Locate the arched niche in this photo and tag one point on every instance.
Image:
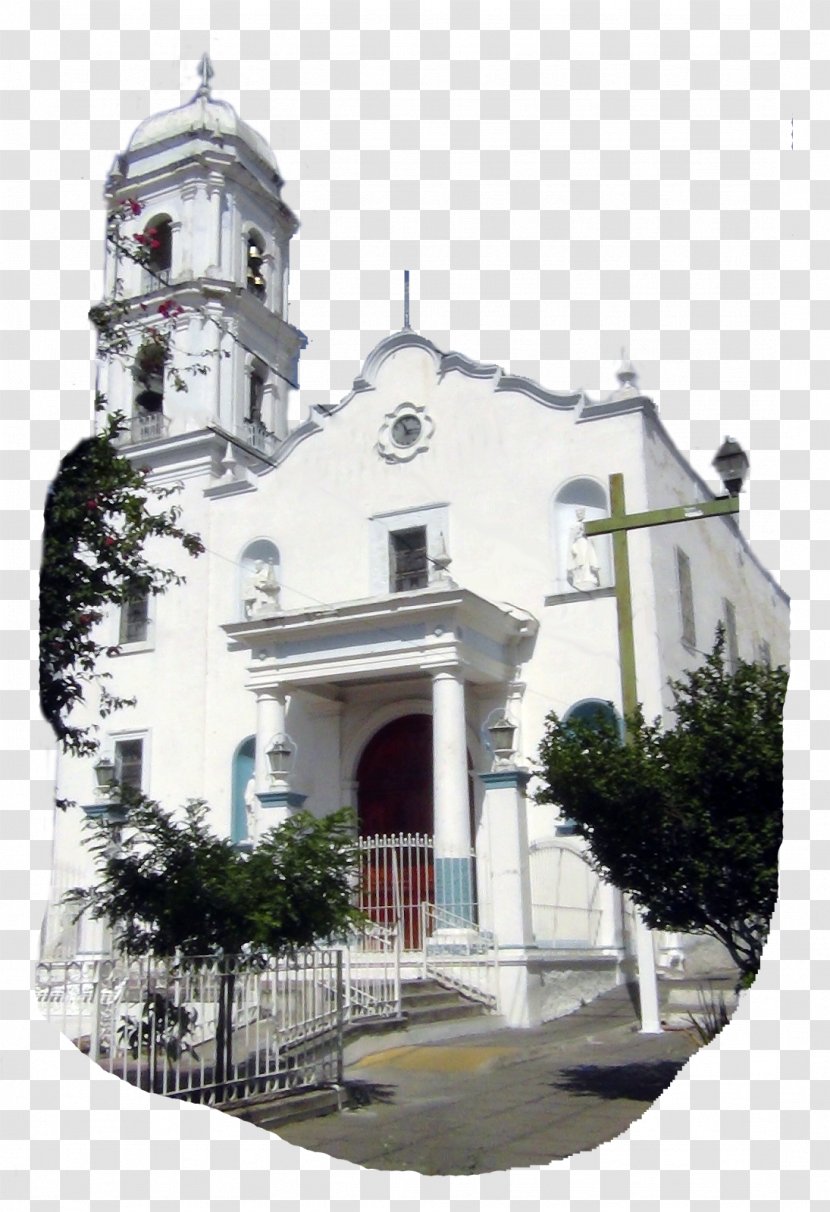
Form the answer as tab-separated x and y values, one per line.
157	240
581	563
258	592
242	771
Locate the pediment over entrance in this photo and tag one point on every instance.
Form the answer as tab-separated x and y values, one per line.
391	636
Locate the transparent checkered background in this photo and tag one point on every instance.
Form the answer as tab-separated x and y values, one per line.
562	179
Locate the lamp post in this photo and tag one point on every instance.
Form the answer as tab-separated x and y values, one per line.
732	465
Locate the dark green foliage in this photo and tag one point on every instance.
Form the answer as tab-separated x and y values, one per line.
170	885
688	821
100	513
162	1025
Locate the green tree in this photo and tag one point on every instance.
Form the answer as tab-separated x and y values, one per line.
100	513
686	820
168	885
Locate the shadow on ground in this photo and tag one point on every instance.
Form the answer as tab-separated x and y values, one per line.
363	1094
641	1081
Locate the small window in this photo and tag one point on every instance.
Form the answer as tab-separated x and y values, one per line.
731	628
135	621
687	604
254	275
256	391
409	568
129	762
764	654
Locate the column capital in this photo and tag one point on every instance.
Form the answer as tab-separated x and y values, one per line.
273	694
515	779
454	672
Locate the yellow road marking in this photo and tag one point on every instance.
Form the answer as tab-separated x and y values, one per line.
435	1059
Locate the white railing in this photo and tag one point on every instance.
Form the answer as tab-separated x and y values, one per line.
457	953
256	435
372	972
143	427
215	1030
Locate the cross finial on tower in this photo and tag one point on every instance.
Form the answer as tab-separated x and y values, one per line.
406	298
205	70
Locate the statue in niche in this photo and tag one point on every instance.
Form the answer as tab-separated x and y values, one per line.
262	592
583	564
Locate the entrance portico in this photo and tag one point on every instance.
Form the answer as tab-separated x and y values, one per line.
446	638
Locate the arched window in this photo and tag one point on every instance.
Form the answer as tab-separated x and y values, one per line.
254	268
582	563
595	713
256	393
259	588
157	238
241	790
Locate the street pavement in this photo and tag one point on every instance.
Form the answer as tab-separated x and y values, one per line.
500	1099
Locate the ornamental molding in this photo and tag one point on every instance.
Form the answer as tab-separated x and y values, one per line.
393	450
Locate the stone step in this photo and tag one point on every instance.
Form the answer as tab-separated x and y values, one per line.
445	1013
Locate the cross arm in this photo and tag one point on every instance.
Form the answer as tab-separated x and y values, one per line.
662	517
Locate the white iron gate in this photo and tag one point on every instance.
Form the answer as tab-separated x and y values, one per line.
565	895
397	876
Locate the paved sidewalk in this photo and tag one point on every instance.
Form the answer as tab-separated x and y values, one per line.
500	1099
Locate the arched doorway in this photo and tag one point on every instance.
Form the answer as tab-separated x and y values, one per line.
394	779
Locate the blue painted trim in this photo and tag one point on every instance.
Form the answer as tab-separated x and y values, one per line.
113	814
281	799
517	779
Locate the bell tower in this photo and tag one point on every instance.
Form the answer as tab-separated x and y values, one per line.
201	192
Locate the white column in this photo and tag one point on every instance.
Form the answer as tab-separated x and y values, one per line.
646	978
451	803
184	258
270	720
450	778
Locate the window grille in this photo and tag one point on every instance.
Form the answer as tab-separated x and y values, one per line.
409	567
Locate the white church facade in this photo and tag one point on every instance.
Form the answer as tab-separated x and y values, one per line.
384	580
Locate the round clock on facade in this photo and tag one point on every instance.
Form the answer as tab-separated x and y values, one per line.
405	432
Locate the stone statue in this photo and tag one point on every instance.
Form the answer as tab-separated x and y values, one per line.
262	592
583	564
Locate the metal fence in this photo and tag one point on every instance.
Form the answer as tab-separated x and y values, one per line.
456	952
215	1030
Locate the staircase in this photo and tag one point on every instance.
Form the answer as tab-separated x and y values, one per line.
428	1001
